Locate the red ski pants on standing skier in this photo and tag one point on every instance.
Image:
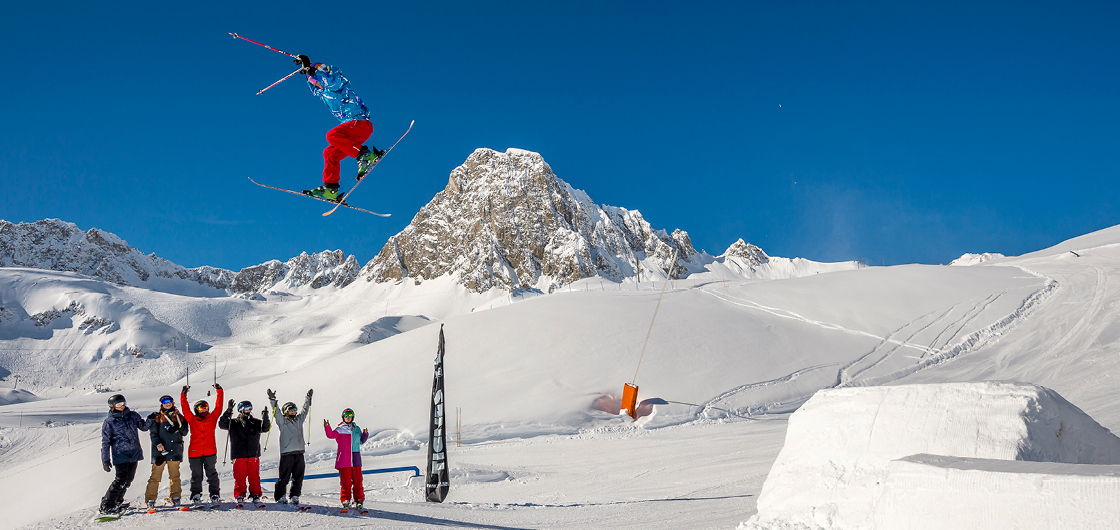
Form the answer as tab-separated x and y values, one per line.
345	141
247	468
351	479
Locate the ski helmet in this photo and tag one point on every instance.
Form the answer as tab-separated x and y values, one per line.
167	399
116	400
244	406
348	412
289	407
200	404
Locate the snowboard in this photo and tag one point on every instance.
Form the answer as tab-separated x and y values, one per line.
336	203
361	178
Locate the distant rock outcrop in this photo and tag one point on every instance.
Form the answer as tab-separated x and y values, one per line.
53	244
514	224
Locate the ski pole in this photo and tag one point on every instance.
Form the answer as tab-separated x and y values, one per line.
308	424
285	78
269	431
225	452
236	36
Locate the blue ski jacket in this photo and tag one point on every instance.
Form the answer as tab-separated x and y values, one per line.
119	438
329	85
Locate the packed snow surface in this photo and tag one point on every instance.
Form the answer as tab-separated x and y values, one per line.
538	376
839	445
935	492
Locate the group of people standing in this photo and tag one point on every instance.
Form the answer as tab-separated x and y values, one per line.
168	427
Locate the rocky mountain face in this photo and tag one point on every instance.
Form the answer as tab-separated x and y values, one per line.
58	245
514	224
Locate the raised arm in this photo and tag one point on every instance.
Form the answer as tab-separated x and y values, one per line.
186	407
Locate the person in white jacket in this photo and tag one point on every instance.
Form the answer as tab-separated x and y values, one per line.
289	420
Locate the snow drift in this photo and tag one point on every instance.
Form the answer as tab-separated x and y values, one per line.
840	444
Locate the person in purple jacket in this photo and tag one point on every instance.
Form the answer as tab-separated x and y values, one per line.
348	460
120	447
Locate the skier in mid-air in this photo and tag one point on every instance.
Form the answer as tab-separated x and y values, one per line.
347	139
245	448
120	447
348	459
202	452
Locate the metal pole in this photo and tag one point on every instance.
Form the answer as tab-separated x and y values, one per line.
671	265
236	36
285	78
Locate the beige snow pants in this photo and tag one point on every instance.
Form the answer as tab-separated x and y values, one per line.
157	475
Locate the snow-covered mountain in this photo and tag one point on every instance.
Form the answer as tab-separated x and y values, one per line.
514	224
53	244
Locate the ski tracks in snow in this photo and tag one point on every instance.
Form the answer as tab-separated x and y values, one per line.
785	394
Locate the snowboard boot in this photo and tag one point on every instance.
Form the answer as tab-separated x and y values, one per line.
295	500
326	191
367	158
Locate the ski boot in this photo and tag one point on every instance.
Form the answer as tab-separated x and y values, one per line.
326	191
152	506
345	507
295	500
196	499
367	158
214	504
358	507
240	501
256	499
283	500
175	501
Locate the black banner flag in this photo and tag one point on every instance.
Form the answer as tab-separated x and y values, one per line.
438	481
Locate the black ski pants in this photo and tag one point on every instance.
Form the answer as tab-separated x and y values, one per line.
198	465
115	495
291	467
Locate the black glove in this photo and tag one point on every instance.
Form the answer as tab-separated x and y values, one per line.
160	460
153	415
107	466
216	385
186	388
304	61
231	404
271	395
309	392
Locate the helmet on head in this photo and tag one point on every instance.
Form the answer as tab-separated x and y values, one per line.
201	406
288	407
244	406
115	400
348	413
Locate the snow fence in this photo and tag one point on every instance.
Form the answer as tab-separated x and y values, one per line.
840	445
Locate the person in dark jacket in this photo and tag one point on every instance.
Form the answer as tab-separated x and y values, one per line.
167	435
245	447
120	447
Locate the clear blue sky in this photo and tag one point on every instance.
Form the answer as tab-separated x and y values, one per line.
884	131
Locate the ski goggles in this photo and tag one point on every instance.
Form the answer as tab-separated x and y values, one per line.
167	401
290	408
120	405
246	408
203	406
348	415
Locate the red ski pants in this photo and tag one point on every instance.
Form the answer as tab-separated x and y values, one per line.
345	141
351	479
247	468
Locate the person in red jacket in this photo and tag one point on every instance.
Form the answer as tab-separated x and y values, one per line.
203	449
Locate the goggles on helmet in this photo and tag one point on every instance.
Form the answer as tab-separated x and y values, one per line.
347	414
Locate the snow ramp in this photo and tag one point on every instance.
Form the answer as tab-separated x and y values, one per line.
840	444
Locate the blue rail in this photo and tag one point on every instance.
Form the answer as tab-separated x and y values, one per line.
415	472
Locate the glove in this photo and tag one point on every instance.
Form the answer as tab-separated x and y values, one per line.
304	61
230	404
153	415
216	385
160	460
309	392
108	467
365	431
326	423
186	388
271	395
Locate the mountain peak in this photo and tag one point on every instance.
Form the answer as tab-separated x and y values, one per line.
515	224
